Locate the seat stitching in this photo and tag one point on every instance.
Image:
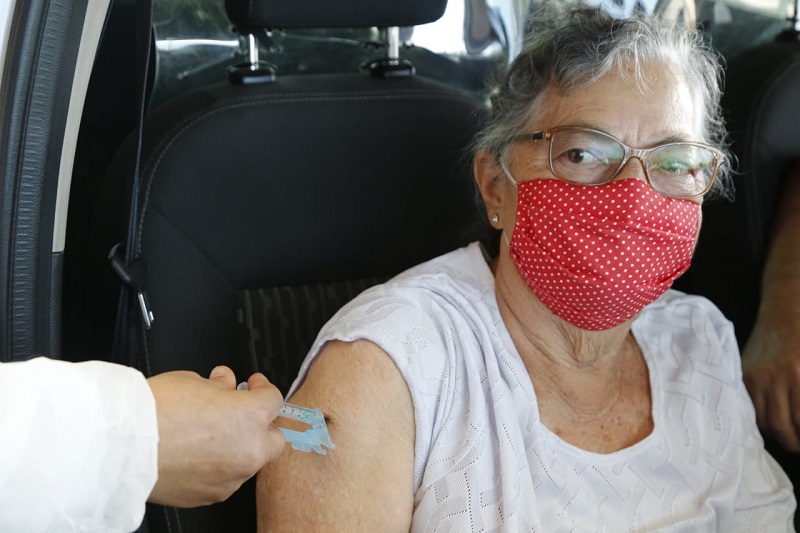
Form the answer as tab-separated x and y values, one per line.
191	121
178	230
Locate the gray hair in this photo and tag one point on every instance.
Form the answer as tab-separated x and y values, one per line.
570	47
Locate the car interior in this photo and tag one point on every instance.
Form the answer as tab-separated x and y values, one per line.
223	217
761	106
267	201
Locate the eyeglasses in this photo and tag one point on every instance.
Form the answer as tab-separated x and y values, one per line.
586	156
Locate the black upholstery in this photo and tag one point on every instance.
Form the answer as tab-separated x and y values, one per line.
762	105
762	111
249	15
278	325
308	181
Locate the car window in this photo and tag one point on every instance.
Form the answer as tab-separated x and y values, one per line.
196	42
732	25
736	25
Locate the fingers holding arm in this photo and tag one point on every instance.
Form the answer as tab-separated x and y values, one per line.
212	438
223	376
266	404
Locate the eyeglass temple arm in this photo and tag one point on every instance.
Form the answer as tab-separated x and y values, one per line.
535	136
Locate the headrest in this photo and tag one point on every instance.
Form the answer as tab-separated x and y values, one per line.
249	15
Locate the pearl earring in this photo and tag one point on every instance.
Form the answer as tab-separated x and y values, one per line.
495	219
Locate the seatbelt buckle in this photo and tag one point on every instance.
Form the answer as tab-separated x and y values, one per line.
147	314
131	275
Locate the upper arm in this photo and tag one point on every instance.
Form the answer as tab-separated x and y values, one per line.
366	483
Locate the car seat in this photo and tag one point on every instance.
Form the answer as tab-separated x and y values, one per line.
762	108
265	204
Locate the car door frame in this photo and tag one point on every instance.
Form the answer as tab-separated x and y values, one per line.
46	51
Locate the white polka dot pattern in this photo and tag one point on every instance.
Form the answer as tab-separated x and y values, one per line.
596	256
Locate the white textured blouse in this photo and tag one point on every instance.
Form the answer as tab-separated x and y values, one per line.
485	462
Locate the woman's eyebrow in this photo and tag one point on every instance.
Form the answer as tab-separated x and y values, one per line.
674	139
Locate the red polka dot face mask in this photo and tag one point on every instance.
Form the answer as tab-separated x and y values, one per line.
596	256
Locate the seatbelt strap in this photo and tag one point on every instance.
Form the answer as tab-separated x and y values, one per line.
133	312
133	276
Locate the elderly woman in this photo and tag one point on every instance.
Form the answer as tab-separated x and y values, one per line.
559	386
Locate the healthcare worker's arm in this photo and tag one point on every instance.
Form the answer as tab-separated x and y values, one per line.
213	437
79	446
81	449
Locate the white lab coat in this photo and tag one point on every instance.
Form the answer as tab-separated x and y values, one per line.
78	446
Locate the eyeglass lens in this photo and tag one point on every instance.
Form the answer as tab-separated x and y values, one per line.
592	158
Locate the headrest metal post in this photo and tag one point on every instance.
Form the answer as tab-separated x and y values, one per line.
253	51
791	34
254	70
796	16
393	42
391	66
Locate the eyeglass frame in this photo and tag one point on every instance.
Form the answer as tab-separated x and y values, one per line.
629	153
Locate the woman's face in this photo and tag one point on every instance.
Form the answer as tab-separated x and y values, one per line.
663	111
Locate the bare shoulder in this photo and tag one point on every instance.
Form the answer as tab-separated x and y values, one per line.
366	483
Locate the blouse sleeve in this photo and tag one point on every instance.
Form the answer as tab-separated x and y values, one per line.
80	444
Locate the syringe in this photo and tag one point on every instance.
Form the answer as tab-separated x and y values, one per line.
308	416
310	439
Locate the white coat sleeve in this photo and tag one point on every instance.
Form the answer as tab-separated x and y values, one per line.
78	446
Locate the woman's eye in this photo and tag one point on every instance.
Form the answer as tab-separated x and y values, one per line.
675	167
577	155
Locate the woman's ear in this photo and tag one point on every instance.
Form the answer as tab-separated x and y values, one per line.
490	178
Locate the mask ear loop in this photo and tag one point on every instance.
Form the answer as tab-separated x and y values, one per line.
507	172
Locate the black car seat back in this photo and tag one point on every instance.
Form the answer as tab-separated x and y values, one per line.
762	106
307	187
